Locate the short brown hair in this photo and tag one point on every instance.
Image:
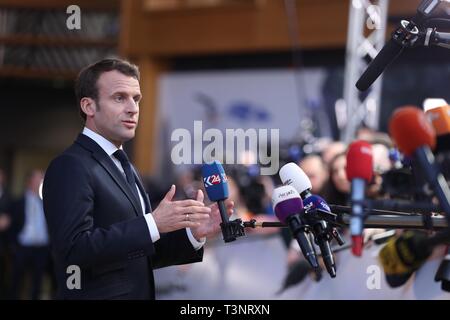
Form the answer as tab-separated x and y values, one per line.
86	82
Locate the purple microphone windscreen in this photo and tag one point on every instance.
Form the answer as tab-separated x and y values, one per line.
286	202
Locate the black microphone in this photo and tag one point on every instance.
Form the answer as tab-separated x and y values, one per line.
288	207
389	53
405	36
443	273
297	273
322	232
293	175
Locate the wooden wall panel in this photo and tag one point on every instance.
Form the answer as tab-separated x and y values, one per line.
252	28
61	4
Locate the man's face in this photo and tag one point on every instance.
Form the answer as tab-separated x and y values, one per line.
117	109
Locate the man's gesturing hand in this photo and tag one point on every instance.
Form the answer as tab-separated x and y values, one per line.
211	227
174	215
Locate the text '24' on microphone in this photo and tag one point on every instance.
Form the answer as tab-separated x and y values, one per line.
288	207
216	186
359	172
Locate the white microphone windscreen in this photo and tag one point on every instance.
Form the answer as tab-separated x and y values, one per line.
291	174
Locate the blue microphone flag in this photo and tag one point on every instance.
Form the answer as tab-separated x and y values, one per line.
215	181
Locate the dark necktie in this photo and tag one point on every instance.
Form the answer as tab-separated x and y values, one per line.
126	165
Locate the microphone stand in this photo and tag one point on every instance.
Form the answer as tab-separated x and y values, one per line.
412	33
382	219
375	219
407	35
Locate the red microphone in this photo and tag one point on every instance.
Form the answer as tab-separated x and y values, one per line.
359	172
416	137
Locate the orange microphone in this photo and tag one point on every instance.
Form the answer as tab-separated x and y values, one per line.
440	120
411	130
416	137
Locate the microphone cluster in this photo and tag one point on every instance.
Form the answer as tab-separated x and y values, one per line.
314	226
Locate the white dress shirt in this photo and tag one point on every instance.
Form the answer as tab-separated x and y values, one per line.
110	148
34	231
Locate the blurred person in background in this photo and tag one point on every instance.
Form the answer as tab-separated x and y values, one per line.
186	183
337	190
332	150
381	164
317	172
30	238
5	222
365	133
240	209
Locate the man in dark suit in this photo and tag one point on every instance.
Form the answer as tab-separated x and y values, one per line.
30	250
104	235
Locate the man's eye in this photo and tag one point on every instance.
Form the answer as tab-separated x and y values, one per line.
119	98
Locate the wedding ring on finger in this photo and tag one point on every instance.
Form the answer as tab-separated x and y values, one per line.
187	216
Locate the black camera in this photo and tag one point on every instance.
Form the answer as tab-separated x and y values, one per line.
398	183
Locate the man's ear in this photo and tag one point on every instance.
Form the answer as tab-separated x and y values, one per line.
88	106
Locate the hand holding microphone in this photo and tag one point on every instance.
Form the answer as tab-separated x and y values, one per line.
216	186
211	226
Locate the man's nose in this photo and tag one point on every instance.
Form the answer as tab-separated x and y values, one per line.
132	106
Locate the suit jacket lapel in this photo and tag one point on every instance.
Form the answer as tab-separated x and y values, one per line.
105	161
